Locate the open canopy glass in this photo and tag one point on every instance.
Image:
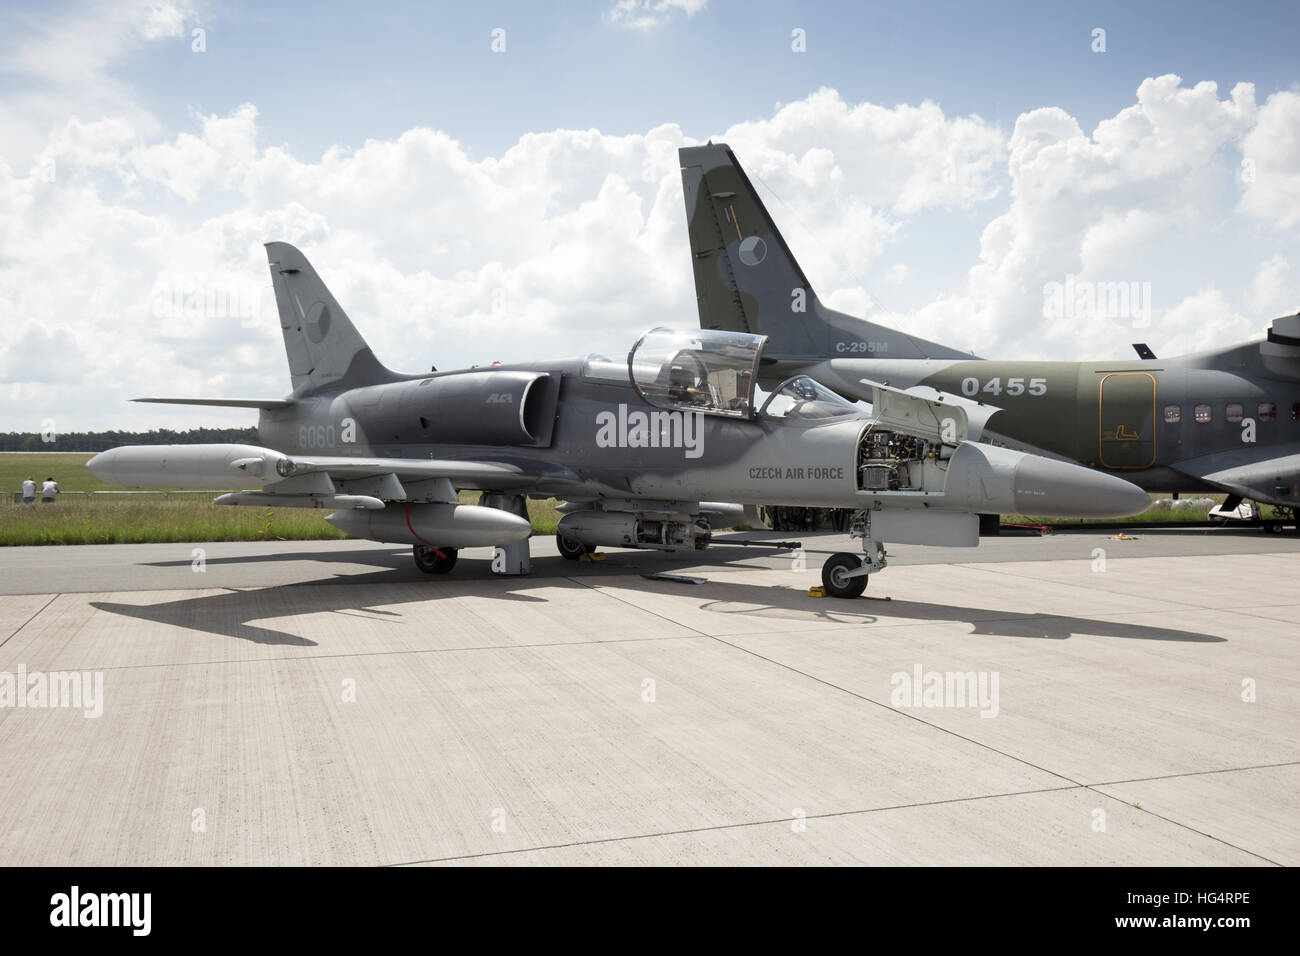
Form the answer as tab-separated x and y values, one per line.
802	399
700	370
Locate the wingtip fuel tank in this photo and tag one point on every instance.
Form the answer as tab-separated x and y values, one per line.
216	466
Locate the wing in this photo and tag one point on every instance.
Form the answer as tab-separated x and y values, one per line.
369	482
264	403
1270	475
322	481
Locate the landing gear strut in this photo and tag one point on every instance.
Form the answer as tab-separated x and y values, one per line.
515	558
434	560
844	575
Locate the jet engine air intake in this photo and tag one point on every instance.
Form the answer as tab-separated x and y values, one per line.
503	407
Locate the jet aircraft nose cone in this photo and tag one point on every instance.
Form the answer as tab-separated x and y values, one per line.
1044	486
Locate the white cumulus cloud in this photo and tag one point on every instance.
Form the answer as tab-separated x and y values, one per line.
131	262
1271	291
1088	206
1271	162
648	14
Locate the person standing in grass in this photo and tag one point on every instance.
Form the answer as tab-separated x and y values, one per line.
49	489
29	491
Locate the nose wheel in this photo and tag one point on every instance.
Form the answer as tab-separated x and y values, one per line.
434	560
844	575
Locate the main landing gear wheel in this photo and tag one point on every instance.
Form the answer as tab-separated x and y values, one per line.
571	548
835	575
434	560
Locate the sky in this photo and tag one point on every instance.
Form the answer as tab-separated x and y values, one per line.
499	181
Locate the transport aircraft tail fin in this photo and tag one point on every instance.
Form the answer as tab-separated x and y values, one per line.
748	280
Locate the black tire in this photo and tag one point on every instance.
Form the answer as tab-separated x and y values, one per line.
570	548
833	579
1273	527
431	561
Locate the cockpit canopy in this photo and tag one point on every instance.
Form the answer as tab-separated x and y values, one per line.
701	370
802	399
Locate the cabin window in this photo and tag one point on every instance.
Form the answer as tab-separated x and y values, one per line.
1203	414
1173	414
1267	412
1235	412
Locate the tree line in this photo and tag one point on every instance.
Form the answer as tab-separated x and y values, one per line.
98	441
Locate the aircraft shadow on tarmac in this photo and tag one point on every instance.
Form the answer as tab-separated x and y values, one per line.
752	599
384	556
227	613
230	612
400	560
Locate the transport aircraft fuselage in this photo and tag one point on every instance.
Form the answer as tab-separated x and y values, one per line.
1225	420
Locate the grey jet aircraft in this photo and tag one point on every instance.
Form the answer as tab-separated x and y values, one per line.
1225	420
636	447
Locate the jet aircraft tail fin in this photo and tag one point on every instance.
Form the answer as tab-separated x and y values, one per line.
324	349
748	280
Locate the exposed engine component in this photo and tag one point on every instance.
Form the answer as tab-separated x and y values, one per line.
896	461
887	459
626	529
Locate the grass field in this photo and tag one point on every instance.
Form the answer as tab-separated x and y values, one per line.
135	519
189	516
156	519
68	469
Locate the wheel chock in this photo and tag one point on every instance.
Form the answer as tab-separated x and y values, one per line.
817	591
591	556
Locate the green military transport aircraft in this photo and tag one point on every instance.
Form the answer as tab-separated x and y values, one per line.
1225	420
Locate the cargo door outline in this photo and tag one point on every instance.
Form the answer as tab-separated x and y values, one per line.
1126	417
